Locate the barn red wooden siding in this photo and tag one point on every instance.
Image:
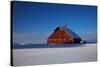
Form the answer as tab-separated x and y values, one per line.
60	36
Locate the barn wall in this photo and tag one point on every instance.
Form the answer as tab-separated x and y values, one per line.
59	37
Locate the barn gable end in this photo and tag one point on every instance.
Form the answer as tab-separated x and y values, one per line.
62	35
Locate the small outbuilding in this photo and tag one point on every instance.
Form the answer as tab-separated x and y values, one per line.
63	35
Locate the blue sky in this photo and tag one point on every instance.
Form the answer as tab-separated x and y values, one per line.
34	22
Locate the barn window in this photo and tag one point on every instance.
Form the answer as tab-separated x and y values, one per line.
64	39
59	39
70	38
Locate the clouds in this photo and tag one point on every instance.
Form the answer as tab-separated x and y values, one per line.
89	37
33	38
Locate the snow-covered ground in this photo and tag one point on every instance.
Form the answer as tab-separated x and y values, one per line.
37	56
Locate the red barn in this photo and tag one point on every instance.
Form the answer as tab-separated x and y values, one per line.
63	35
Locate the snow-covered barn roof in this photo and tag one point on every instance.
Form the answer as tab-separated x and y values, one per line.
67	30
